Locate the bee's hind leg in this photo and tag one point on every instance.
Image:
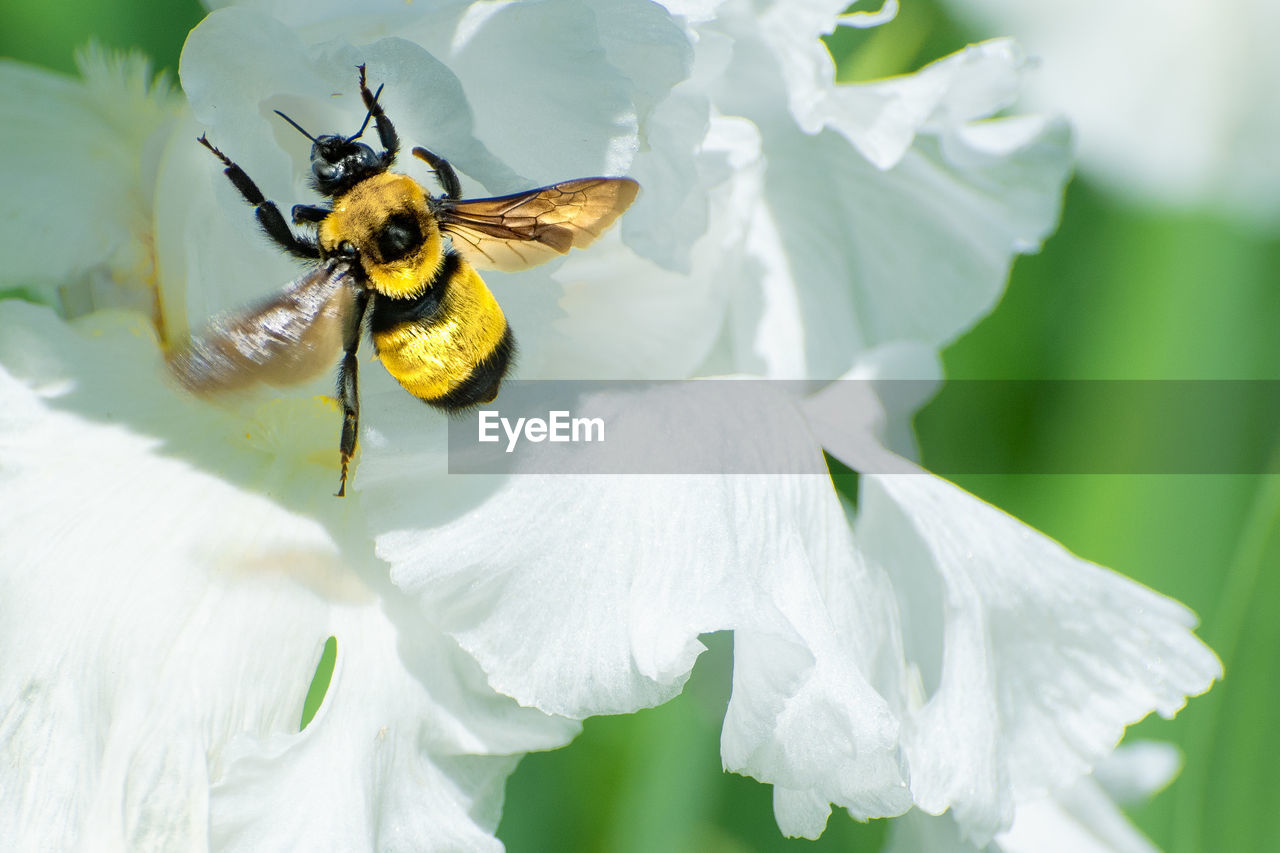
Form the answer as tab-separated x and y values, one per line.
349	397
348	391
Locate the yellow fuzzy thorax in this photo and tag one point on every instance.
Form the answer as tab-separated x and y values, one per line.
359	216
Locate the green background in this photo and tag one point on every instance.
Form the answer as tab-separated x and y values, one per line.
1120	292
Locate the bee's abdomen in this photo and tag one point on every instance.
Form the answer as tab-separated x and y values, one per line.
449	347
481	385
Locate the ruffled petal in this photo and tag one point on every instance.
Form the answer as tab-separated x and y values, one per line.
1023	663
1030	660
911	241
617	553
882	118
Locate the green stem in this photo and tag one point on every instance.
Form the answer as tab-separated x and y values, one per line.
1258	546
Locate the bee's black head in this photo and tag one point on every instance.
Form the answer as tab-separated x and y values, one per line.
338	162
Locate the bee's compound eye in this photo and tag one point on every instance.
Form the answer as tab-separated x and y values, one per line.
345	250
325	171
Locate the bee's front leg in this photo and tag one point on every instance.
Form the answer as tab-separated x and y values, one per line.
269	216
386	130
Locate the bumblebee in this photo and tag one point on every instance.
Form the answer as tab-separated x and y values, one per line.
399	261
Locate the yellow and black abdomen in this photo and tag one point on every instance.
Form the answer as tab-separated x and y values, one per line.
450	346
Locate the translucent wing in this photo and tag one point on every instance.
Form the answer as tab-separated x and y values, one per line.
286	339
515	232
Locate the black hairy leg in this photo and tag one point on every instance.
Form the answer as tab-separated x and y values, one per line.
444	172
386	130
309	213
269	216
348	390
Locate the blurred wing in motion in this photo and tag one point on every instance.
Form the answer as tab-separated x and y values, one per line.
286	339
515	232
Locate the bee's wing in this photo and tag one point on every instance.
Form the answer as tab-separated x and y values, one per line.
515	232
286	339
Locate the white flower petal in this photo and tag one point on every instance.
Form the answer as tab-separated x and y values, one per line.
98	137
790	34
383	759
973	194
1138	769
166	619
1175	107
573	109
572	79
625	316
628	556
863	19
130	648
805	718
926	244
1032	661
973	215
917	831
882	118
617	577
1081	819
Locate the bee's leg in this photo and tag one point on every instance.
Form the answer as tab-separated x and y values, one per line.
309	213
269	216
348	392
349	397
444	172
386	130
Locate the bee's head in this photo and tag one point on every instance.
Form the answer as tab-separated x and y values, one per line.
339	162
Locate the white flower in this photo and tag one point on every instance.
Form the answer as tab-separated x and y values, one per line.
786	227
1176	107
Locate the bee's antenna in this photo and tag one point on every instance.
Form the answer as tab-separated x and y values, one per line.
367	115
297	126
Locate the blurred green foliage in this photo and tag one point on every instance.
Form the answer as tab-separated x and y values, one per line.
48	34
1118	292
